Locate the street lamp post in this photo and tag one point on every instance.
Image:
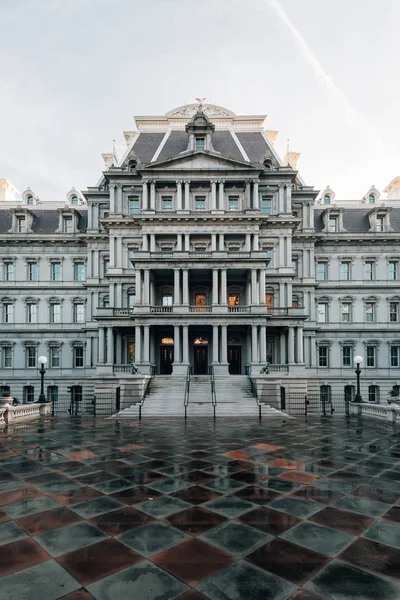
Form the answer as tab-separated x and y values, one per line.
42	360
358	361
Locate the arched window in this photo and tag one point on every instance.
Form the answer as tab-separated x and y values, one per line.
28	393
74	200
132	165
371	199
29	200
373	393
267	165
327	199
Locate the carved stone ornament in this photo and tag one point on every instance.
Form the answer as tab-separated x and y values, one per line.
211	110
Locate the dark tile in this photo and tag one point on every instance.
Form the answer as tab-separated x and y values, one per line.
196	477
79	595
30	507
270	521
48	520
119	521
4	516
279	485
236	538
18	495
144	580
97	506
192	595
220	470
319	538
196	495
45	478
45	581
20	555
98	477
374	493
164	506
98	561
288	560
112	486
341	581
393	514
242	581
342	519
304	595
174	470
373	557
152	538
296	506
312	493
192	561
229	506
257	495
249	477
195	520
135	495
168	485
11	532
364	506
70	538
226	485
343	487
81	494
385	532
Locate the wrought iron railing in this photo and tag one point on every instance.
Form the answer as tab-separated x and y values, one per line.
213	391
146	391
187	389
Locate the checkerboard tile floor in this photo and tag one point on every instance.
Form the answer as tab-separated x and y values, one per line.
165	510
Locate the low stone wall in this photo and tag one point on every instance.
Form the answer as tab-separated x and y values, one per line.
382	412
23	412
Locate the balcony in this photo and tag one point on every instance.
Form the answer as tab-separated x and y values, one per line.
205	255
241	309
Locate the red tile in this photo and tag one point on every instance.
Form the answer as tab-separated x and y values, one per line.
121	520
48	520
4	516
373	556
76	495
192	561
268	447
81	455
129	447
78	595
343	520
21	555
282	463
298	477
25	493
98	560
236	454
305	595
392	515
192	595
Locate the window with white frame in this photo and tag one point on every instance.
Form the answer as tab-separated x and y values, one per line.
52	393
393	312
370	312
347	356
29	200
8	312
332	224
32	312
327	199
166	299
346	310
134	207
394	356
200	202
345	270
79	312
28	394
323	356
371	356
9	271
31	357
269	259
369	268
55	312
373	393
78	357
295	266
380	224
106	265
322	270
54	361
79	271
392	270
68	226
74	201
131	300
56	271
7	357
371	199
200	142
322	312
33	271
21	225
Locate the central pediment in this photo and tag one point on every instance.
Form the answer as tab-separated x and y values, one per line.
202	161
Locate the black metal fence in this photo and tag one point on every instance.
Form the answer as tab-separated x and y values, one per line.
311	404
86	405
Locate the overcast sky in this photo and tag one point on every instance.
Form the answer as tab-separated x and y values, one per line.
73	73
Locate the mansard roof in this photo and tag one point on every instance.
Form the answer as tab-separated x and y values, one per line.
355	220
44	220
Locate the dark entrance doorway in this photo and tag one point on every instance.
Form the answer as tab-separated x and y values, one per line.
283	398
200	360
235	360
166	359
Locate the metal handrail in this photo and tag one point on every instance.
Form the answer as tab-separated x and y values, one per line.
213	391
254	392
187	389
144	395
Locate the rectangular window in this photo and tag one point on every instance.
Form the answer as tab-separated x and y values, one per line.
233	300
55	313
322	312
394	312
54	357
200	203
371	356
392	270
373	393
29	393
233	203
131	300
200	143
166	202
9	272
131	258
106	265
266	205
167	300
394	356
379	224
369	271
78	356
79	313
32	313
33	271
323	356
52	393
79	271
332	225
347	355
7	357
345	271
295	267
56	271
346	312
21	225
269	259
31	357
269	301
134	205
370	312
322	270
8	313
67	225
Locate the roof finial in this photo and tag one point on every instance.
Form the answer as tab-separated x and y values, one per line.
201	101
113	146
287	145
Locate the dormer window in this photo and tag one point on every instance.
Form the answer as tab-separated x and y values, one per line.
29	200
21	224
332	224
371	199
200	142
267	165
327	199
132	165
379	224
68	225
74	200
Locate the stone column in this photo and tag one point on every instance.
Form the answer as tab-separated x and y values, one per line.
282	303
247	195
221	196
215	286
213	195
186	204
213	242
187	242
179	242
138	344
256	246
88	357
224	344
254	349
291	345
280	200
113	191
221	242
262	286
146	287
185	344
112	252
145	196
223	298
138	286
110	346
254	295
215	344
101	345
177	291
185	287
118	294
313	352
263	343
299	339
288	199
152	242
152	195
146	344
247	245
282	348
145	242
281	251
179	195
177	344
111	295
256	198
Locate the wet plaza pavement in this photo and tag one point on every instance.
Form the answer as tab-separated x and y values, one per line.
231	510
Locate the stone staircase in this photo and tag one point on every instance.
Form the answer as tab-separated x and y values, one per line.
165	398
235	399
200	404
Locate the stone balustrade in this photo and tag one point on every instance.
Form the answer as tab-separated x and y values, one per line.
385	412
23	412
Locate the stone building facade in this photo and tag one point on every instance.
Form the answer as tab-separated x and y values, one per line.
200	247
